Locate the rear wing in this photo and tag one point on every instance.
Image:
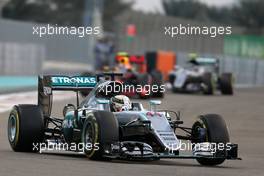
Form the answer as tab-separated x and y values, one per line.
73	83
49	83
206	61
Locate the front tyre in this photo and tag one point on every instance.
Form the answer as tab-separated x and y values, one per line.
100	130
215	132
25	128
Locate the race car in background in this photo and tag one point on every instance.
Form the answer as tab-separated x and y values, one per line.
134	70
201	75
131	134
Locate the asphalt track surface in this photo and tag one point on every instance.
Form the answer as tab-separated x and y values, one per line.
244	115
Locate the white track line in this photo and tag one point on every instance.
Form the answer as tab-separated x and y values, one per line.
7	101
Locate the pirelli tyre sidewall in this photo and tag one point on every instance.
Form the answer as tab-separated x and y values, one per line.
216	132
25	128
90	128
100	129
13	128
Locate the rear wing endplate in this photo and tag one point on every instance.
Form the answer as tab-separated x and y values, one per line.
49	83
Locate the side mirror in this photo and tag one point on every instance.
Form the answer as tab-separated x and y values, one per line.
67	108
153	105
102	101
155	102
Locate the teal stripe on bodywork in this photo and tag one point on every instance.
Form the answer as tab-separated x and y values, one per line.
16	82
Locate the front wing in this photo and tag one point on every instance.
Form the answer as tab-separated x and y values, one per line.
231	154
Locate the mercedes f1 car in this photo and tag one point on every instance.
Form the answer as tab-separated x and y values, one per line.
135	134
202	76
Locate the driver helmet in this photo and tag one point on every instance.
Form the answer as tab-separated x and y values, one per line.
122	59
192	58
120	103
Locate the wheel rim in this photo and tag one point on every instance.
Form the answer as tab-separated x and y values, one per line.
195	132
88	134
12	128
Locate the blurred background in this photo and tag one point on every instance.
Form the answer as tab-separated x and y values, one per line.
133	26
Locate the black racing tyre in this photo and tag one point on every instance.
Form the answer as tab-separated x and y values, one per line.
100	130
209	84
216	132
172	78
176	90
157	81
25	128
226	84
84	93
157	77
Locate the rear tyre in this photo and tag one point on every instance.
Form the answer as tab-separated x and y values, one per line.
226	84
209	85
216	132
100	130
25	128
172	78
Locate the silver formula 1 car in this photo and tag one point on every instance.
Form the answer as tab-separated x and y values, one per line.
201	75
135	134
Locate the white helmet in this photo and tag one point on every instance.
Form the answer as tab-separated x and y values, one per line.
120	103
